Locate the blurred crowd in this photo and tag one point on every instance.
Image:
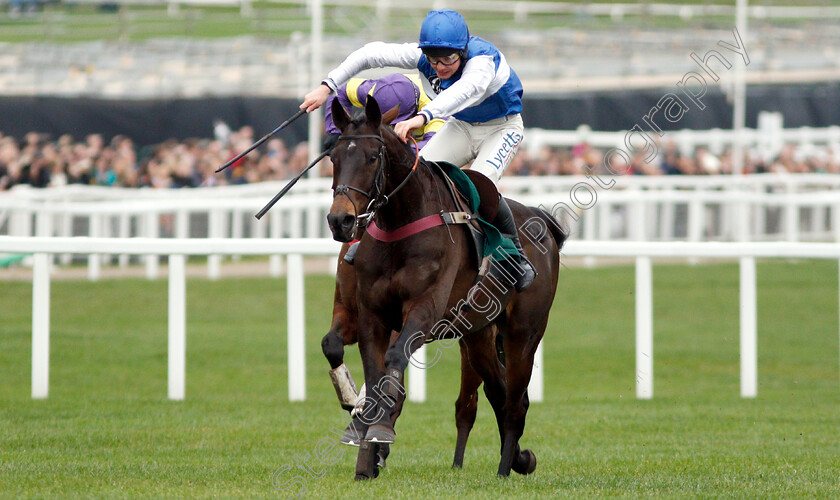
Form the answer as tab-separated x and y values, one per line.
41	161
583	159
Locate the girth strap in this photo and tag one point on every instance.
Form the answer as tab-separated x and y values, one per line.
417	226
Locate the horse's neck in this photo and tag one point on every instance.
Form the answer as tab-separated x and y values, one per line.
416	199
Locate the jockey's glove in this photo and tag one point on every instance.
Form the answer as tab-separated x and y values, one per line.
329	142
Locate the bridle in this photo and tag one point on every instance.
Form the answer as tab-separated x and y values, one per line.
374	194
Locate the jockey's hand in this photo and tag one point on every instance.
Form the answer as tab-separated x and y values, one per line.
404	128
316	98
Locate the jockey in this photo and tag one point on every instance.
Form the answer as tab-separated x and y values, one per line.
472	82
404	91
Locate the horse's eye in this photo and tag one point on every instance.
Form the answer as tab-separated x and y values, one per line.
373	159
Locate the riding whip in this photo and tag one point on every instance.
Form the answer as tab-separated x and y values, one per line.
259	142
289	185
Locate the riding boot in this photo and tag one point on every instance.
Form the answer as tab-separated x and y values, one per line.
350	256
523	272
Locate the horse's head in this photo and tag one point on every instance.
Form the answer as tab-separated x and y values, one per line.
359	163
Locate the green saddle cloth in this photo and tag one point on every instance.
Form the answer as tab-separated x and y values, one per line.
495	244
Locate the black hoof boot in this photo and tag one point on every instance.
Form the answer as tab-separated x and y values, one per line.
354	433
366	463
381	433
525	463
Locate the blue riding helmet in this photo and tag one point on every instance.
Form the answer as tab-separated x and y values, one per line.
444	29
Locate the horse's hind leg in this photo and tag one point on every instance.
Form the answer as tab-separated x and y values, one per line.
519	351
484	361
466	406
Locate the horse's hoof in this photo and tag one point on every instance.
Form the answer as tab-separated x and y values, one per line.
352	436
382	454
525	463
364	476
351	439
380	434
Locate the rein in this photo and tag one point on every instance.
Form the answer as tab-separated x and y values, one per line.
374	194
379	200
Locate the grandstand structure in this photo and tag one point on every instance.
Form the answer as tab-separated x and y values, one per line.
556	47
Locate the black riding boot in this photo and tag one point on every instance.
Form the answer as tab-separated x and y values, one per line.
523	272
350	256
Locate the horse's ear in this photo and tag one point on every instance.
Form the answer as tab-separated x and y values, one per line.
372	113
391	114
339	115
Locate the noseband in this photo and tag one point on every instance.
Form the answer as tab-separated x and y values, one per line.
376	199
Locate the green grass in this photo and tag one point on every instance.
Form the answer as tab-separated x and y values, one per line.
69	22
107	429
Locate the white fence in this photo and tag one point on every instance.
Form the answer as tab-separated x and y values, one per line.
766	207
766	141
295	249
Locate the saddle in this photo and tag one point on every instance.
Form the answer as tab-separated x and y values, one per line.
477	200
477	196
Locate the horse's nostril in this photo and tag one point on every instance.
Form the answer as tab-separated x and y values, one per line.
342	226
331	220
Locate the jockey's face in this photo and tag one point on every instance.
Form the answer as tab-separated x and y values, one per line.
445	66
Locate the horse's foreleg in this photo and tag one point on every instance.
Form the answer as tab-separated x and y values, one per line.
389	394
466	406
389	391
372	345
366	463
332	345
374	339
343	331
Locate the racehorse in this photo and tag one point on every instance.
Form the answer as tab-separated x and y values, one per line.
344	331
423	287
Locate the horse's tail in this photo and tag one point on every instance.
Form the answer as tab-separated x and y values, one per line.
559	233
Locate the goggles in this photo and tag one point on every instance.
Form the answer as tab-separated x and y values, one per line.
445	60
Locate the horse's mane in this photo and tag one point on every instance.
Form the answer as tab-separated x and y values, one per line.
359	119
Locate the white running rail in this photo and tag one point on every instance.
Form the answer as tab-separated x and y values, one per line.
296	248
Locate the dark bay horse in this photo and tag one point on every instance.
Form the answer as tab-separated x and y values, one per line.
344	331
423	287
